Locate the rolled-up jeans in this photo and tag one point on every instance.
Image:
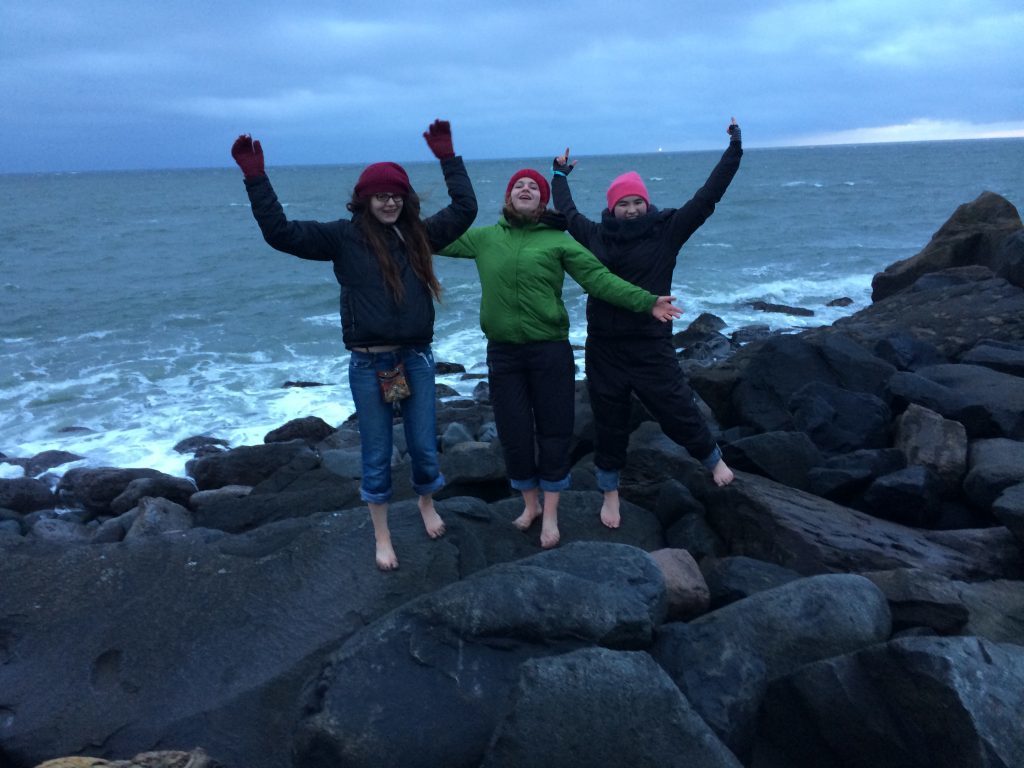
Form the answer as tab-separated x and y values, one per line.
376	419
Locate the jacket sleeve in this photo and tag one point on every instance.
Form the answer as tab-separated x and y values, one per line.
597	280
451	222
686	220
466	247
583	230
313	240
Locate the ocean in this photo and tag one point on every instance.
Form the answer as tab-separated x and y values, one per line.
142	308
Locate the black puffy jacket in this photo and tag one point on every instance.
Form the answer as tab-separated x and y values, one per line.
642	250
370	316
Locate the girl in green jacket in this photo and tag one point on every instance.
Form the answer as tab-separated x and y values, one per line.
522	264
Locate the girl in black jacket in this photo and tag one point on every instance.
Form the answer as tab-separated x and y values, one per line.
382	259
629	352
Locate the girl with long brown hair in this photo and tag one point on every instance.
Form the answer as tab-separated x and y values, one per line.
382	261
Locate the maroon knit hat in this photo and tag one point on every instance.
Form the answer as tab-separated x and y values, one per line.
383	177
545	190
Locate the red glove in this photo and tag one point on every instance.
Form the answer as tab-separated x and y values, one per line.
249	156
439	139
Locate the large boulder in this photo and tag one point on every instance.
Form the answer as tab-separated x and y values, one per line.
988	403
615	708
197	637
838	420
95	488
249	464
994	465
762	519
25	494
919	702
950	317
927	439
723	662
457	654
974	234
1003	356
787	457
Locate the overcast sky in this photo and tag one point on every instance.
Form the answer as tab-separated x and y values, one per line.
98	84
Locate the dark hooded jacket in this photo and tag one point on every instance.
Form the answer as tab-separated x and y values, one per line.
642	251
370	316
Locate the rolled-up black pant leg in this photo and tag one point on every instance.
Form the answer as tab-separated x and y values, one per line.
552	395
662	387
509	383
608	385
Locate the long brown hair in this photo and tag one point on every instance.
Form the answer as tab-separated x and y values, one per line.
414	235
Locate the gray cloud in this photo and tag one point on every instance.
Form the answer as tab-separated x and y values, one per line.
105	85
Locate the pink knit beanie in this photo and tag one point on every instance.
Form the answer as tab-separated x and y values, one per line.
625	185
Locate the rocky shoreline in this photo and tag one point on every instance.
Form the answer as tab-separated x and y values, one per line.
855	598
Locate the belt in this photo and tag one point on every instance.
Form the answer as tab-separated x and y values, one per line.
375	350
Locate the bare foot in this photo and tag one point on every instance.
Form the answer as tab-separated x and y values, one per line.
549	535
387	560
531	509
610	509
431	520
526	519
721	474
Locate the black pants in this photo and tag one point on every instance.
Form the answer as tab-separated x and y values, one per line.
618	367
533	392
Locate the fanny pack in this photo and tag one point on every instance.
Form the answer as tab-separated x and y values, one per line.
393	384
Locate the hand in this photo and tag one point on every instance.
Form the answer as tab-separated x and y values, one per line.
562	165
734	131
664	310
439	139
249	156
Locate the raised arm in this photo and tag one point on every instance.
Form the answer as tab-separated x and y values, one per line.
582	229
686	220
449	223
306	239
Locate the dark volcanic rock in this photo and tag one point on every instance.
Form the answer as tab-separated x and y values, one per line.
248	464
951	318
995	465
1002	356
312	429
457	654
840	421
723	662
95	489
974	234
605	700
768	521
909	496
212	646
986	402
917	702
787	457
25	494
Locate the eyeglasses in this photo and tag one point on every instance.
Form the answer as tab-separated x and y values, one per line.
383	197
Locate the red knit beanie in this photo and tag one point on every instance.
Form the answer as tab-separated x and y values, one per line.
625	185
545	190
383	177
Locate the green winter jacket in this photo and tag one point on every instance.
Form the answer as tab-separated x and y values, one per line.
522	269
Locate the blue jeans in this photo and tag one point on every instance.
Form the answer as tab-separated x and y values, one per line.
376	419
